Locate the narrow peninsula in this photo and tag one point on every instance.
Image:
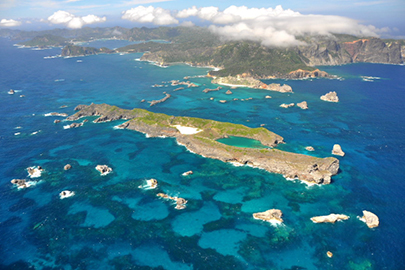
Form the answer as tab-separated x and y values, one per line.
203	141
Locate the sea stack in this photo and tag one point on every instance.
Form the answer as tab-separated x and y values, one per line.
370	219
337	150
330	97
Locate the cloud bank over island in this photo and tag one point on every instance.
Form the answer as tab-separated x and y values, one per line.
270	26
72	21
157	16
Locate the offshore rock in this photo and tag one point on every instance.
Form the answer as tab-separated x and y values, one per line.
303	74
332	218
290	165
180	202
150	184
310	148
284	105
11	92
73	125
370	219
103	169
337	150
229	92
269	215
154	102
34	171
20	183
187	173
67	167
303	105
207	90
66	194
330	97
285	88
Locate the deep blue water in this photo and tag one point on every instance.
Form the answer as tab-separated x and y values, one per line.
112	224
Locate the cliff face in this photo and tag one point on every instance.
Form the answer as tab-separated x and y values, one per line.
327	53
204	142
373	50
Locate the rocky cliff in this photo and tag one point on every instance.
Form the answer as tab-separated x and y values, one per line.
204	141
335	52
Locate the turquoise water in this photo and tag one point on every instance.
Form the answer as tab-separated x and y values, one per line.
241	142
112	224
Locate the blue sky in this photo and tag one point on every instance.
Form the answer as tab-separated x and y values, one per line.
387	16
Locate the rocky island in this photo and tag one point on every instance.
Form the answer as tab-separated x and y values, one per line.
200	136
272	216
370	219
180	202
332	218
330	97
250	82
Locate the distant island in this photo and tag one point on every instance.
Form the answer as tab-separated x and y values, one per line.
200	136
197	46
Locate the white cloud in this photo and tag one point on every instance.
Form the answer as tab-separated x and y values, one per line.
158	16
9	23
187	24
274	27
72	21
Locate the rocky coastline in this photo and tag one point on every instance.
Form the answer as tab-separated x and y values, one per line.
246	80
291	165
154	102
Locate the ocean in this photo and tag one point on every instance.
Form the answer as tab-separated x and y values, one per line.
111	223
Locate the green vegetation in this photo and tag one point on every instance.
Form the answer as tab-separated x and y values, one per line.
46	41
71	50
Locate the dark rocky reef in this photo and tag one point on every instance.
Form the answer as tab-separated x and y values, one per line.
204	141
154	102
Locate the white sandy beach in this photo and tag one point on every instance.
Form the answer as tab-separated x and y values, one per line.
187	130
